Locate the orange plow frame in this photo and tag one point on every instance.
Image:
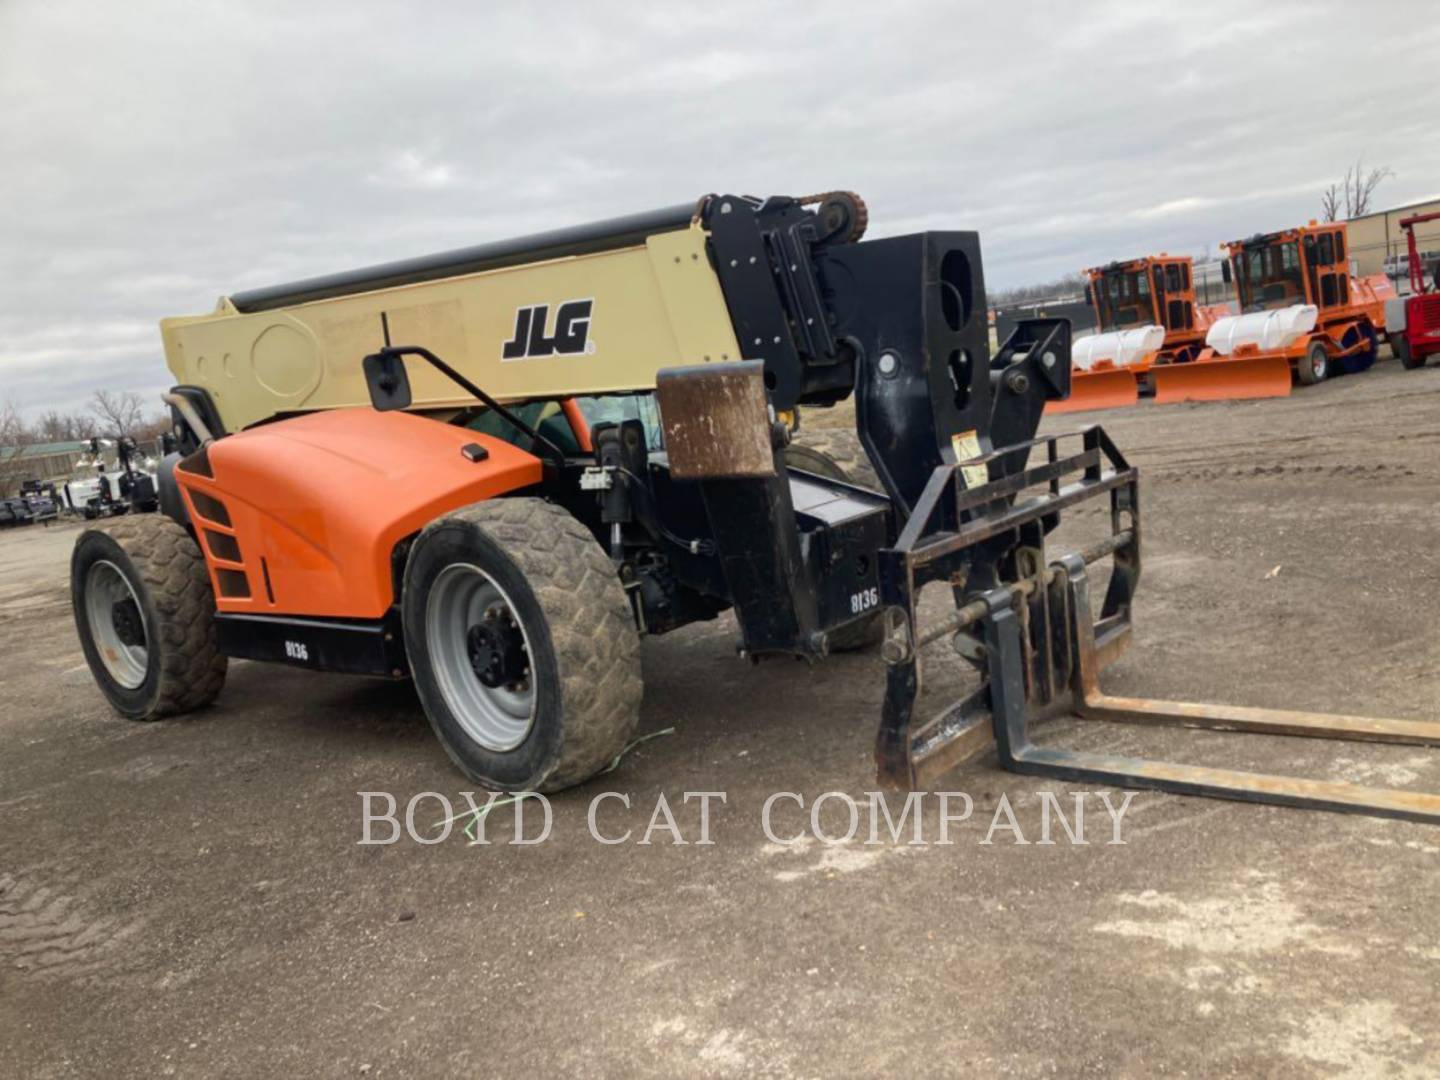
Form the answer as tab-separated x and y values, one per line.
1223	379
1101	387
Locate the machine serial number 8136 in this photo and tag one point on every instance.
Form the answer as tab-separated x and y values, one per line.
864	600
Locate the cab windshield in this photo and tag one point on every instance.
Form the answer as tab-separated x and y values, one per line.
1269	277
548	417
617	408
1122	299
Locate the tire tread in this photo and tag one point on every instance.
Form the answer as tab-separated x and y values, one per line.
843	446
173	572
592	629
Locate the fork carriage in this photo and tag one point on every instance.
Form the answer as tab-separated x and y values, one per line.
1032	634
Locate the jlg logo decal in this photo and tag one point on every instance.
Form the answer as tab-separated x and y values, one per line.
571	336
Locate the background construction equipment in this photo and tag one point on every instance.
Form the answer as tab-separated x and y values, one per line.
1413	322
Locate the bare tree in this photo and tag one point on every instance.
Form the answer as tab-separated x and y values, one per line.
1355	192
55	426
1331	200
51	427
152	426
120	412
1360	186
14	435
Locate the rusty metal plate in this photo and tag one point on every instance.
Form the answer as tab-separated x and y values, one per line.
716	421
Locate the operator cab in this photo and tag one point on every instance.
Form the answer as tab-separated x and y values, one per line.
1144	292
1122	298
1304	266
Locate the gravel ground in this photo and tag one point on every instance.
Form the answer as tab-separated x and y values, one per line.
190	898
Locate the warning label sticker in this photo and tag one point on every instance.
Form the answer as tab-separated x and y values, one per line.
966	445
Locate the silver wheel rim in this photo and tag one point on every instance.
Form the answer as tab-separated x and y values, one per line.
1318	362
107	587
462	597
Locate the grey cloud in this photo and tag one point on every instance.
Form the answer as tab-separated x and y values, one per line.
161	154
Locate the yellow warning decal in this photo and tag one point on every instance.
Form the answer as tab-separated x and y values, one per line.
967	447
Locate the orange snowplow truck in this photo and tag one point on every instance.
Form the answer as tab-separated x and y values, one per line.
1300	311
1146	318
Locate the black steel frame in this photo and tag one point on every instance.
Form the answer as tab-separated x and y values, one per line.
1041	651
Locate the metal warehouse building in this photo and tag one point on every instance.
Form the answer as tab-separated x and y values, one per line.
39	461
1376	236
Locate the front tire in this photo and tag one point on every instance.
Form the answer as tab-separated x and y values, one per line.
145	613
522	645
1314	367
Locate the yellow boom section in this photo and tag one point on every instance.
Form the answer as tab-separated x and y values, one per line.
654	305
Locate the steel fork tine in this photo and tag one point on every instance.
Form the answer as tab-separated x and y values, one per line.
1101	706
1092	703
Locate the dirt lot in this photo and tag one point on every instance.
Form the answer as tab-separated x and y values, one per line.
189	898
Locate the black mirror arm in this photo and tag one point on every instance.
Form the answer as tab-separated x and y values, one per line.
400	351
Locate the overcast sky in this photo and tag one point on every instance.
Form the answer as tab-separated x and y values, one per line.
157	155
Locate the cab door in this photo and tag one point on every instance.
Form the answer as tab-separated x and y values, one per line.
1328	273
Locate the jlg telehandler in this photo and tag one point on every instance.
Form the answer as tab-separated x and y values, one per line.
1300	310
1146	319
491	471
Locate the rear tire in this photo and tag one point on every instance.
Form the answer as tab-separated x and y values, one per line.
544	688
1408	360
1314	367
145	613
1366	358
840	447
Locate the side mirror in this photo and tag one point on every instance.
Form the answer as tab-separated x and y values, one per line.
387	381
1089	296
1225	271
